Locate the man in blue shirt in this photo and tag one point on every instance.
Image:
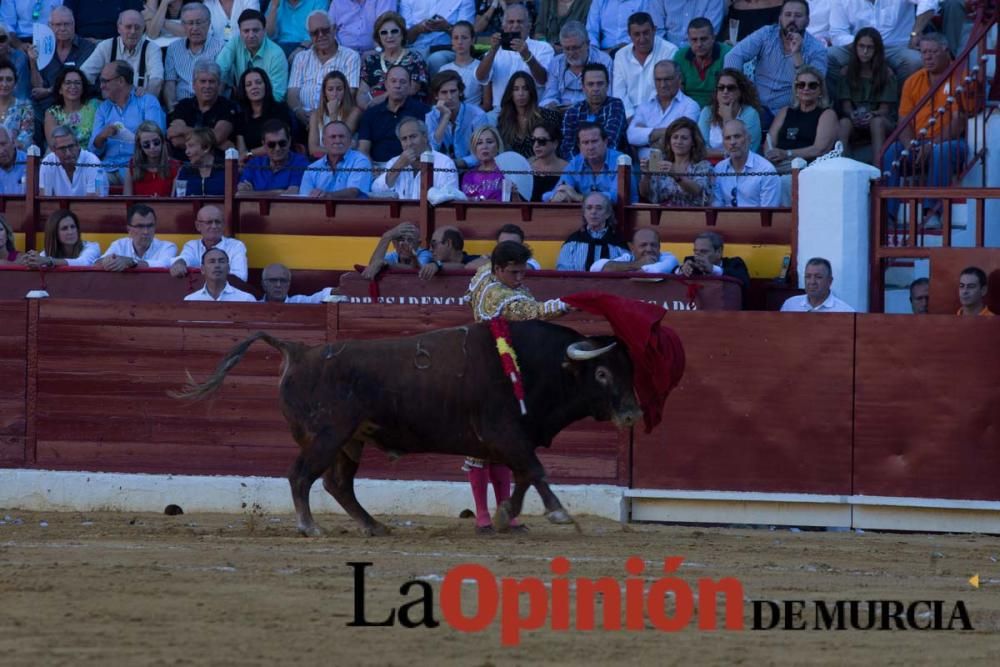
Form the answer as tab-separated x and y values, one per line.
280	171
11	165
594	169
118	118
377	133
343	173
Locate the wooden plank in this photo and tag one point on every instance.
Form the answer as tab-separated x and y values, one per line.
13	345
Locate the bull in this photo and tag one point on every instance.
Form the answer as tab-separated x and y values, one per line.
442	392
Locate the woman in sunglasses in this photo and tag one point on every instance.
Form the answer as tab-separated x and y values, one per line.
546	165
72	105
807	128
151	172
390	40
735	98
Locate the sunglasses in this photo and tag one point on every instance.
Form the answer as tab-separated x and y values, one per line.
811	85
281	143
540	141
320	31
390	31
152	143
727	88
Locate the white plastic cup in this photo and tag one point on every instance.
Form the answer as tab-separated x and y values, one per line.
180	189
734	31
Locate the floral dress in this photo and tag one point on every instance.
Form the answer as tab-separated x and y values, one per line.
375	66
667	191
81	121
20	123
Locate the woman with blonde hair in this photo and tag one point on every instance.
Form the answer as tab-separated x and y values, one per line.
485	181
682	177
807	128
151	172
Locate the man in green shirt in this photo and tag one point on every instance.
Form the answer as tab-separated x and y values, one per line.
254	49
701	61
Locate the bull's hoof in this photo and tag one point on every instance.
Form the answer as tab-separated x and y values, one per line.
503	517
485	530
519	528
560	516
376	530
310	531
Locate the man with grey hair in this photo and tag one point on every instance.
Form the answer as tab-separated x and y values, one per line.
309	67
134	47
68	170
707	260
71	49
402	173
651	119
522	54
183	53
12	174
276	279
206	109
564	85
744	178
596	239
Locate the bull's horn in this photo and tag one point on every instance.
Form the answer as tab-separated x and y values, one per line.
577	351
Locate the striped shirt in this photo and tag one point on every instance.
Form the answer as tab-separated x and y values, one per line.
180	61
308	72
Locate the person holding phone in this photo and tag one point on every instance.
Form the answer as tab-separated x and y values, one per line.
430	24
523	55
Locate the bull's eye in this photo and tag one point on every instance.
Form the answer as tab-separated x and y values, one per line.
602	375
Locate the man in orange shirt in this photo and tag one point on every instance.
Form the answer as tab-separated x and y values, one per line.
972	285
942	149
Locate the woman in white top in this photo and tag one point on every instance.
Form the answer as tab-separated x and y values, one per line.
63	245
225	13
462	38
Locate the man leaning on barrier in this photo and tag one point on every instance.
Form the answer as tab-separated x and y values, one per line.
210	222
140	249
405	237
644	255
593	169
277	280
707	260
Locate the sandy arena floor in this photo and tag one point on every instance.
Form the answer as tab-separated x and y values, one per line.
110	588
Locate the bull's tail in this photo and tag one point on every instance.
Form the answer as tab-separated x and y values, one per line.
194	391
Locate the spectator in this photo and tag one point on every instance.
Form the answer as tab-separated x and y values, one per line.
182	54
954	17
634	63
707	260
12	167
546	165
337	103
356	19
596	239
920	296
377	133
67	170
72	106
644	255
20	61
462	38
132	46
519	112
71	51
735	98
899	22
254	49
402	178
750	16
594	169
206	109
972	288
819	21
701	62
63	244
807	128
281	170
609	21
429	24
276	280
554	14
210	222
490	15
390	33
523	54
20	16
204	175
780	50
447	248
119	116
939	153
649	124
683	177
678	15
16	115
257	106
511	232
744	178
215	269
452	120
8	251
225	22
345	173
608	112
867	93
140	249
288	23
485	181
163	17
564	82
405	238
152	172
312	66
818	297
98	20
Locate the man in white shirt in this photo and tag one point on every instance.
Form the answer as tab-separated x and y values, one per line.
524	55
310	66
134	47
215	268
401	177
68	170
209	222
651	118
564	85
900	22
277	280
818	297
632	79
140	249
644	255
744	178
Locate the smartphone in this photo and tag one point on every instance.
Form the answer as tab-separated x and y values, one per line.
655	157
506	38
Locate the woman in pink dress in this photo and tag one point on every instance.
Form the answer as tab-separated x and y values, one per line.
485	181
